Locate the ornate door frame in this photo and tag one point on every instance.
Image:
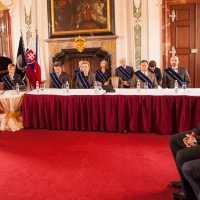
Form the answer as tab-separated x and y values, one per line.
166	26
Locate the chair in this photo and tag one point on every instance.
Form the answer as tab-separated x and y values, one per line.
115	81
4	62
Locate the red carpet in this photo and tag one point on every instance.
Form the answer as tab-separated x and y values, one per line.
62	165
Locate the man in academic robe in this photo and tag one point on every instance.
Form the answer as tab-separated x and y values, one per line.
144	76
125	72
175	72
58	77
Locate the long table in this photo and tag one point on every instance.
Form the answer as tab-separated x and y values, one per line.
126	110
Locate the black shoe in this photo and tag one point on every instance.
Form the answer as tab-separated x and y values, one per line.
176	184
179	196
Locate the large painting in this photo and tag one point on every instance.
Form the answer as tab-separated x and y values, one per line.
80	17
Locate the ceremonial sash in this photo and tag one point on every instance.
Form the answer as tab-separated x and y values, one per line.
174	75
55	80
6	79
77	71
83	80
151	71
157	76
124	72
101	76
144	78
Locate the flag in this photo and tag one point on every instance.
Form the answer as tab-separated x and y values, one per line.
37	67
21	61
33	71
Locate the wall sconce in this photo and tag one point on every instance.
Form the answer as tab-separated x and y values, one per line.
2	27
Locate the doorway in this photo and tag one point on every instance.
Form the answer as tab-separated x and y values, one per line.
181	35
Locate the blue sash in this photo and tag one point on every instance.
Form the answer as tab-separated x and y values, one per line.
144	78
83	80
6	79
151	71
124	72
55	80
101	76
174	75
77	71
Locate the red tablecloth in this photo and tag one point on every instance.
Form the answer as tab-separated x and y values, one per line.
116	113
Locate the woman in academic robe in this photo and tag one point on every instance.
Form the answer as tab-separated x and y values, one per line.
85	78
103	74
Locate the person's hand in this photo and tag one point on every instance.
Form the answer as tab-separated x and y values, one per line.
125	83
194	134
99	83
189	140
106	83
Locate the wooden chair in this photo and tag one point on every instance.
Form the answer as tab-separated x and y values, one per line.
115	81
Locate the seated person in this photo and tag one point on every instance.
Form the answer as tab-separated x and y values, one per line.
185	147
10	80
58	77
144	76
175	72
85	79
125	72
155	70
103	74
75	73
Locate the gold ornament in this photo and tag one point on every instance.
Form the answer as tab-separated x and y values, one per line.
80	43
108	46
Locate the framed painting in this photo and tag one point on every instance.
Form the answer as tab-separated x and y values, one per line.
80	17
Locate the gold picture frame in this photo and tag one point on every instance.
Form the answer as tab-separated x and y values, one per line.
80	17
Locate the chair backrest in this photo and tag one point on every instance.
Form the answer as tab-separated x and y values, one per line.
115	81
4	62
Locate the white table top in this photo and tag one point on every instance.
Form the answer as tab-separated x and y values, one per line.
119	91
55	91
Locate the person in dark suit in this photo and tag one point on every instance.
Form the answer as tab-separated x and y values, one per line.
144	71
103	74
168	80
58	77
185	148
85	79
155	70
12	78
191	172
125	72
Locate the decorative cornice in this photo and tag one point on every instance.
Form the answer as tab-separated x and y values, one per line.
89	38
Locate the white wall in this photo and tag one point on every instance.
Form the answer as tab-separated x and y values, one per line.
154	21
151	22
